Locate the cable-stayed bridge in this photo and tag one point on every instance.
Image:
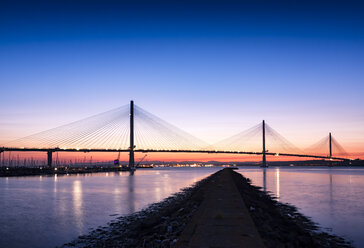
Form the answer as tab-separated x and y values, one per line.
132	129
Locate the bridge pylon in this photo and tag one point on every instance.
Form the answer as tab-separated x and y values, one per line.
330	149
264	161
131	153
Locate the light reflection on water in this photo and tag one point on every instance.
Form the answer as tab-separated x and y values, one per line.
43	211
46	211
332	197
77	204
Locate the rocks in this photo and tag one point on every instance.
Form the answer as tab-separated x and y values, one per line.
281	225
159	225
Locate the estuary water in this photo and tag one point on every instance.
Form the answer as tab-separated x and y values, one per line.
331	197
48	211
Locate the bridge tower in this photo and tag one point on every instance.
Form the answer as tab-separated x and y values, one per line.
131	153
330	149
330	145
264	162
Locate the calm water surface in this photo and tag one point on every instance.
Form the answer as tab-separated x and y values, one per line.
49	211
332	197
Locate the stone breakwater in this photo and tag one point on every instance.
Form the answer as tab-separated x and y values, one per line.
281	225
158	225
165	224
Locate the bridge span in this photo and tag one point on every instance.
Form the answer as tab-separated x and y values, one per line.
52	150
105	129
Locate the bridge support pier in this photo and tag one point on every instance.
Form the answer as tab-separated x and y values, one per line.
131	153
49	158
2	158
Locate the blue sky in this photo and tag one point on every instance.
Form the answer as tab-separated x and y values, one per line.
213	68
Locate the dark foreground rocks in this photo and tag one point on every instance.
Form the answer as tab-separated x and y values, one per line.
159	225
281	225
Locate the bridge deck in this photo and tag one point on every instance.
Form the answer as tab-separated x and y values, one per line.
4	149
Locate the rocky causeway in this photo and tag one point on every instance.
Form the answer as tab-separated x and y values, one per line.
222	210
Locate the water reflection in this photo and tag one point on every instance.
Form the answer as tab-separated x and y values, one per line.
264	179
277	183
55	184
77	204
51	210
331	200
131	197
332	197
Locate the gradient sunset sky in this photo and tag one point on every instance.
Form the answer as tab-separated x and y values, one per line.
212	68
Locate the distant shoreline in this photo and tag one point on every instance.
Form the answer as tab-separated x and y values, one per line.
46	171
61	170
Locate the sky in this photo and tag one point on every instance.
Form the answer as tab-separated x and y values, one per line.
212	68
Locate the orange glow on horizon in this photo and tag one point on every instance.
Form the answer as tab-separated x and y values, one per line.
92	157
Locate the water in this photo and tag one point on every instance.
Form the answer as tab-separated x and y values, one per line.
43	211
332	197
